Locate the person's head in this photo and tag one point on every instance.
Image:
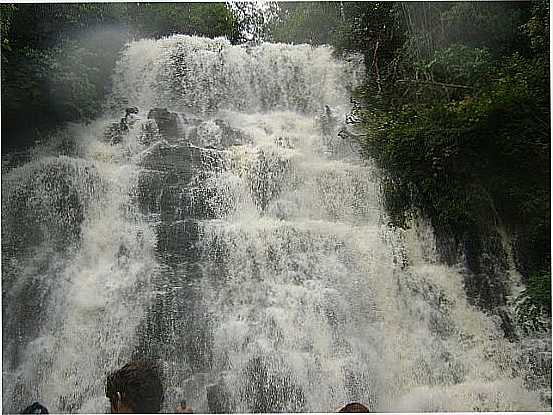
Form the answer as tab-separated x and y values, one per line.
135	388
35	408
354	407
131	110
182	408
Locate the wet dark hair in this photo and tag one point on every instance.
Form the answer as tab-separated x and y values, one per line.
354	407
139	384
35	408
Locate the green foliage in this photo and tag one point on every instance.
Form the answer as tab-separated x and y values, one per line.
440	148
459	64
363	27
253	20
491	25
164	19
306	22
6	13
537	27
368	26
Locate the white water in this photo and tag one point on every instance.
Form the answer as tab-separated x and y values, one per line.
298	297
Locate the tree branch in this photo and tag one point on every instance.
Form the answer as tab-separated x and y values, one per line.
442	84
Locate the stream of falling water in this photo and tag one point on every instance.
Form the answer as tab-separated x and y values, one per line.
246	249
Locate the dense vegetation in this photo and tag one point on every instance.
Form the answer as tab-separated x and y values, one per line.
456	111
57	59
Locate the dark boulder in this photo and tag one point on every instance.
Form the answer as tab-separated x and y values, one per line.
176	241
159	193
167	122
486	260
184	161
266	177
217	134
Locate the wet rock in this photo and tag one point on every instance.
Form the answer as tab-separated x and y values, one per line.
284	142
178	203
266	177
149	132
507	324
328	122
159	193
208	135
184	161
148	189
486	259
219	400
166	121
169	203
195	202
116	130
269	391
178	240
46	200
217	134
533	362
189	119
232	136
177	316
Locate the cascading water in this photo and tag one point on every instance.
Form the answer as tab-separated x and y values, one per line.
241	241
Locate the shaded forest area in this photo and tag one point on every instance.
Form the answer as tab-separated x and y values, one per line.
455	108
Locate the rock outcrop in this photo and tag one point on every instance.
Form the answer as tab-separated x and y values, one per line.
167	122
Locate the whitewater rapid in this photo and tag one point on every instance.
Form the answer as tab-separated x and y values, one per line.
247	250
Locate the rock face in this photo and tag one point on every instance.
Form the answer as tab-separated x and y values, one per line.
47	200
217	134
174	192
184	160
44	204
266	178
149	132
167	189
183	152
167	122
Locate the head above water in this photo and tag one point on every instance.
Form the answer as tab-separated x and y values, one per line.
135	388
131	110
354	407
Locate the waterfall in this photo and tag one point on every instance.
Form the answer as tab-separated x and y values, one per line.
234	235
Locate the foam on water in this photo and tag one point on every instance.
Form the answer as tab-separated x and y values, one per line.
296	296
